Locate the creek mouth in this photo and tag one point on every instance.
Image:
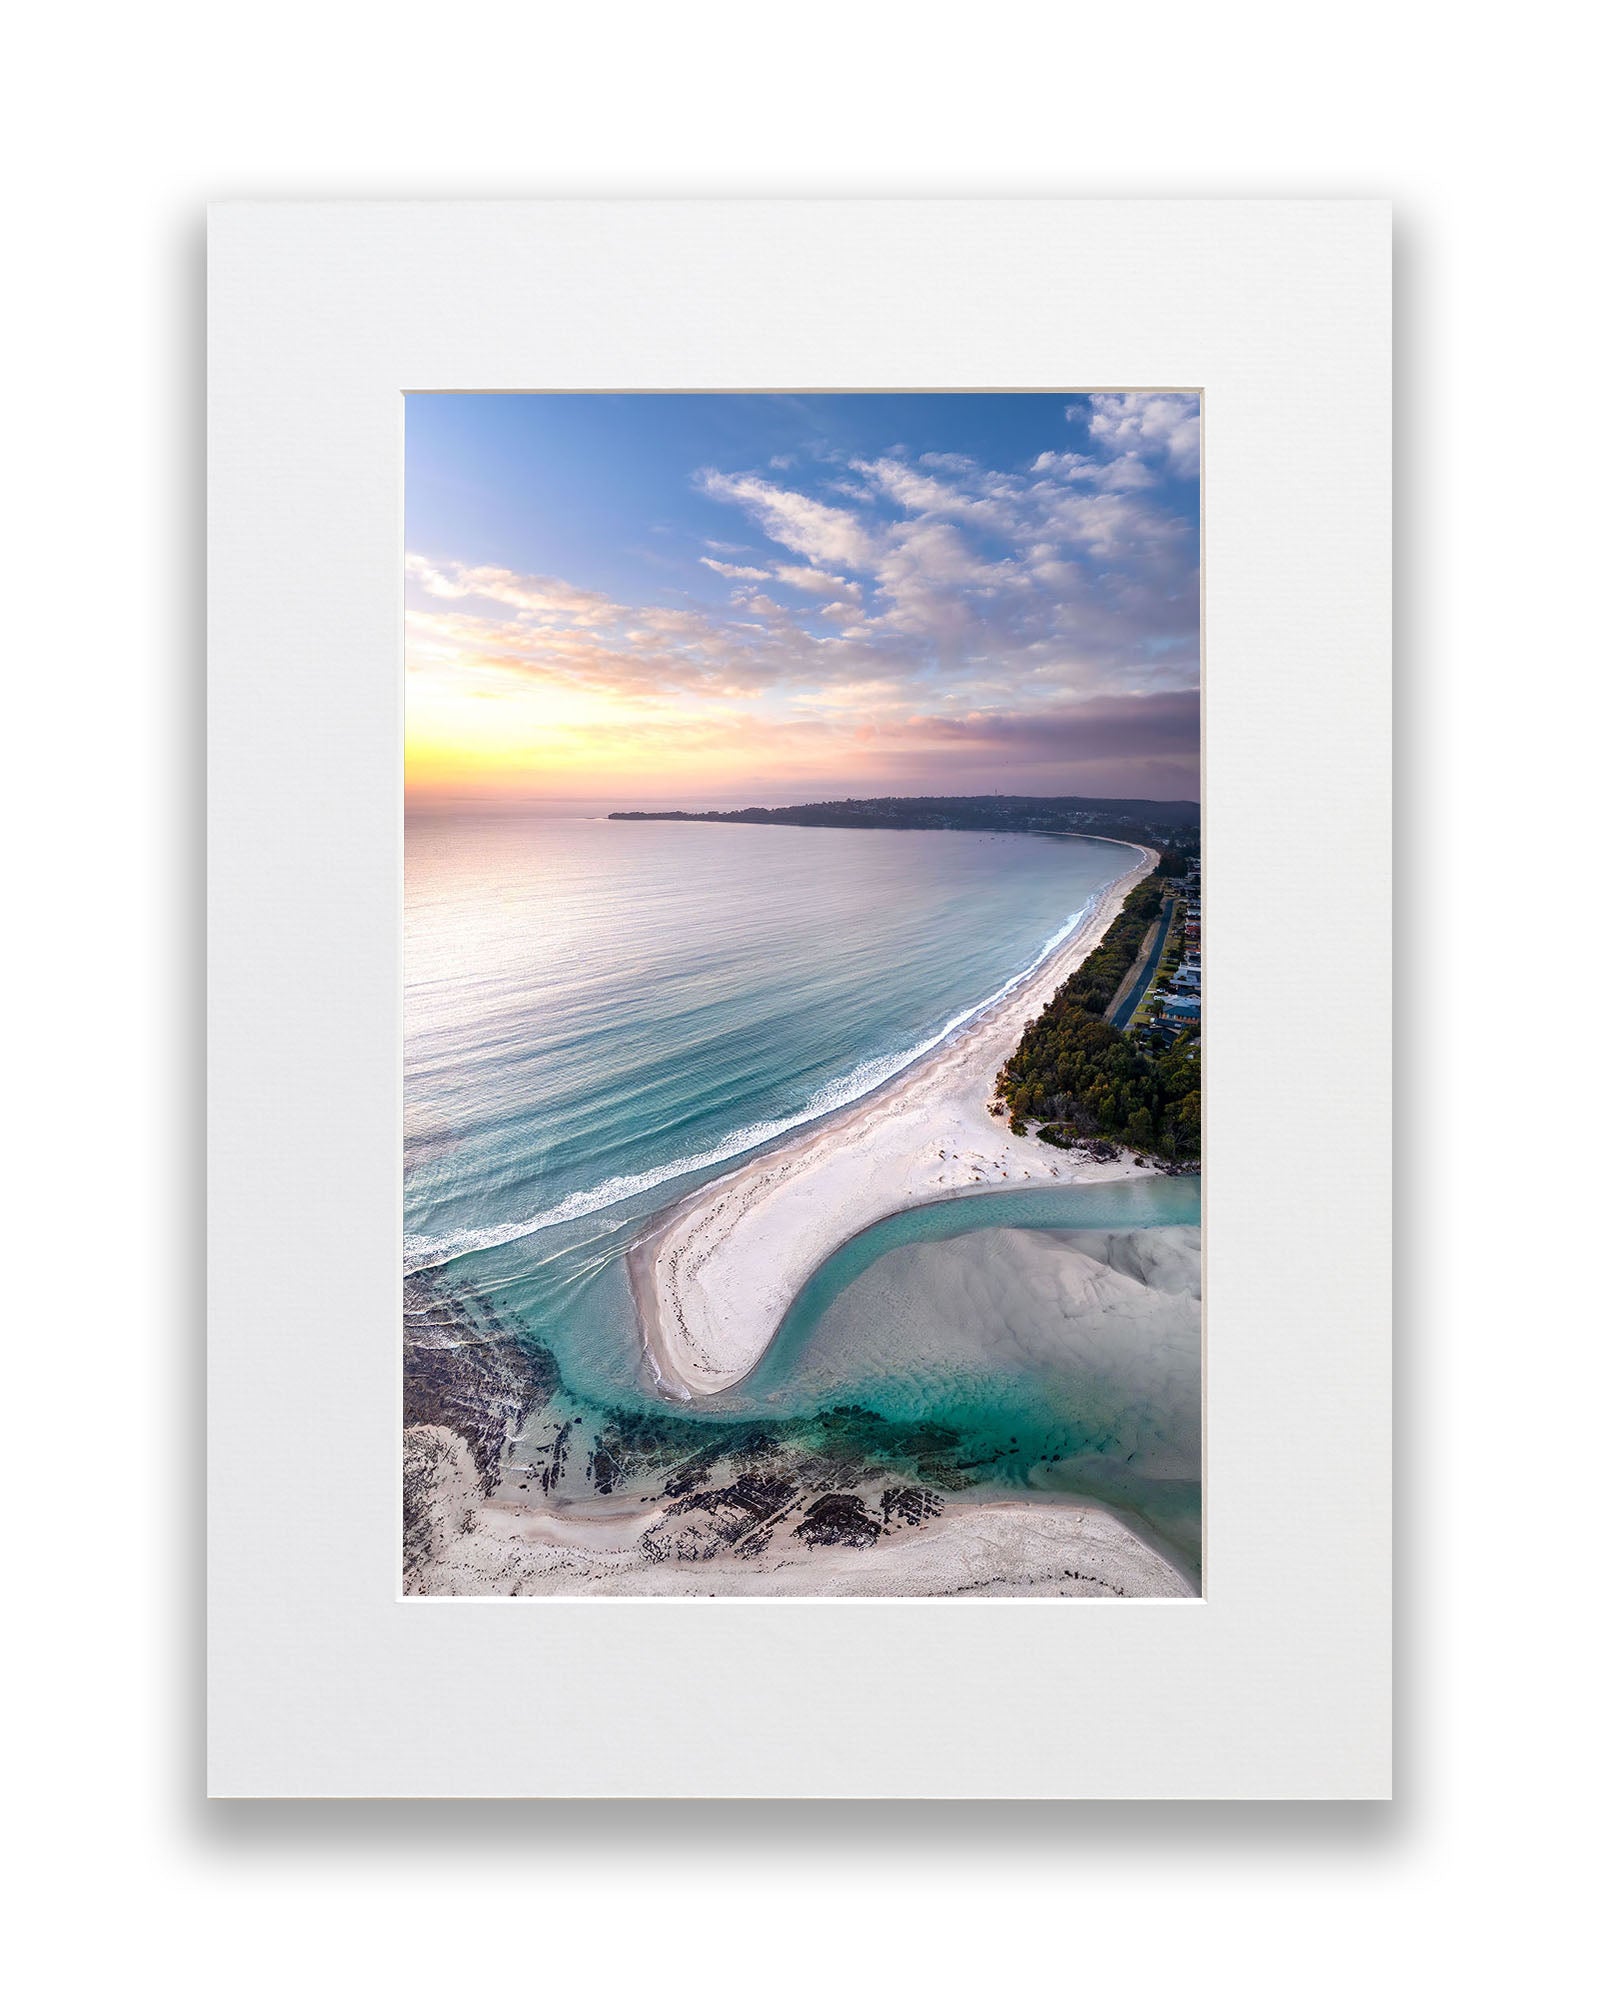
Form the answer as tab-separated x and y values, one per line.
862	1461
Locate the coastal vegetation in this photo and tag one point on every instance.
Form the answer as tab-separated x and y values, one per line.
1084	1080
1173	824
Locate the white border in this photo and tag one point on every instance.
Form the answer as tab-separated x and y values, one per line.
1277	1685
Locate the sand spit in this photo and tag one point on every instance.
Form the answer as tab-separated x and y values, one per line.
715	1274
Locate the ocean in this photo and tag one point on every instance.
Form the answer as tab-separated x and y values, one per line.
601	1015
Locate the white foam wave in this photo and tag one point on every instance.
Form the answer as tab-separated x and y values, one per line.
424	1254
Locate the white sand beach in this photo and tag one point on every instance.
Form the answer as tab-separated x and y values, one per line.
715	1274
999	1548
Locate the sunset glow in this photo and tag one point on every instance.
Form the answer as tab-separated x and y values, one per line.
707	599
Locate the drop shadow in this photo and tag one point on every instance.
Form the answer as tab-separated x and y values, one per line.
461	1832
470	1830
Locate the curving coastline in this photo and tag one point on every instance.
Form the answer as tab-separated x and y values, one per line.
512	1487
714	1274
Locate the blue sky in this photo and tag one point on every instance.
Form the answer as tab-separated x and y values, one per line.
714	597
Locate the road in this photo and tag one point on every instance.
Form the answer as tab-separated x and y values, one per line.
1129	1007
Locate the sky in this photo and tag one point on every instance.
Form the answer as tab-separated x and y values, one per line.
703	601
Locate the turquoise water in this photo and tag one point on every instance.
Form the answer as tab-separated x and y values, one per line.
1135	1204
601	1015
950	1316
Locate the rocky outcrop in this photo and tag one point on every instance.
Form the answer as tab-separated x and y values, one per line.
442	1486
469	1388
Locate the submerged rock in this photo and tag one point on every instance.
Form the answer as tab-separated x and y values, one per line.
469	1374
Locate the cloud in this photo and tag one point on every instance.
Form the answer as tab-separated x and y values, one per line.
539	597
982	624
763	606
813	529
1163	427
1137	746
919	493
1106	727
737	569
816	581
1124	473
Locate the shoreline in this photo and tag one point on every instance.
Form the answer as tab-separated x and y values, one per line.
1038	1546
714	1273
512	1488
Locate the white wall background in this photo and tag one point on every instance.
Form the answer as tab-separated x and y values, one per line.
121	123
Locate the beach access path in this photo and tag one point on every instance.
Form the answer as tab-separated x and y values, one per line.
714	1275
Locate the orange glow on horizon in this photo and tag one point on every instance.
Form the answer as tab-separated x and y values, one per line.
473	729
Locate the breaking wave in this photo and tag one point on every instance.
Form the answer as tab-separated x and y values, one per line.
423	1253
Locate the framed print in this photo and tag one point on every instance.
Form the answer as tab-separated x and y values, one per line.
803	1190
788	780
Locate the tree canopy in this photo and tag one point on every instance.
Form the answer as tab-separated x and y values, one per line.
1077	1073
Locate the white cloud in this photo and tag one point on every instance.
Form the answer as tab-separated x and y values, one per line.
763	606
817	581
917	493
737	569
1121	474
1149	427
538	596
820	533
1069	579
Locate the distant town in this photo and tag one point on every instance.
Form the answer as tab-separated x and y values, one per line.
1168	1004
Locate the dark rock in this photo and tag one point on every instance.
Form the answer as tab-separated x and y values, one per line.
910	1505
838	1520
711	1523
465	1372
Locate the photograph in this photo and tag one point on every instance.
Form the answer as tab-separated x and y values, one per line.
663	655
802	995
